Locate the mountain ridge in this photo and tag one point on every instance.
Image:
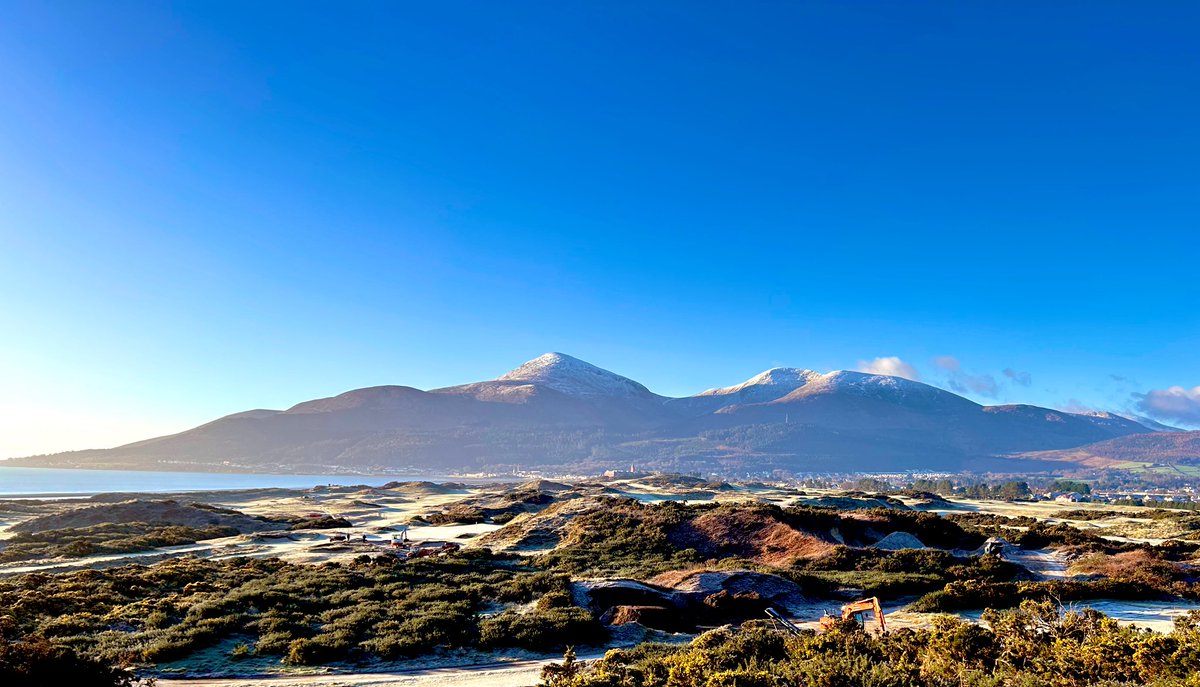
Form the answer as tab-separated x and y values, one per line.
1160	448
560	411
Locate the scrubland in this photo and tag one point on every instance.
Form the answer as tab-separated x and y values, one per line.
649	567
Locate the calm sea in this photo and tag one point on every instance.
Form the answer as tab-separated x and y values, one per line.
53	481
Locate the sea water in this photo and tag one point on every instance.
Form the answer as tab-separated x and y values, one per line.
20	481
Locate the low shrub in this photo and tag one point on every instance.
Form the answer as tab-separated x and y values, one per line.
325	522
38	662
542	629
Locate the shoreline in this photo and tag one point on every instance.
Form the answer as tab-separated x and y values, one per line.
52	483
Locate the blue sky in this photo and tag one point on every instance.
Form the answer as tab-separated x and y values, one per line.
208	206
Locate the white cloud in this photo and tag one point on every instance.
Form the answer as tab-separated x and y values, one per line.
889	365
1173	404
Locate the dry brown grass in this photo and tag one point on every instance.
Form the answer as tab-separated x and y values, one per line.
750	534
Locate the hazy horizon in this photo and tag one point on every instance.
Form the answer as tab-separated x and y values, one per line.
201	216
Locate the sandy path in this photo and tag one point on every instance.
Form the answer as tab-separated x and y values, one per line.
514	674
106	559
304	546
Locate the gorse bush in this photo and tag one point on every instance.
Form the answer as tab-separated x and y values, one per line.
304	614
376	608
542	630
628	539
892	574
979	594
632	539
38	663
1034	645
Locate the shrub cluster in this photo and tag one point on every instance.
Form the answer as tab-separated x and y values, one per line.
893	574
1034	645
979	594
325	522
304	614
38	662
629	539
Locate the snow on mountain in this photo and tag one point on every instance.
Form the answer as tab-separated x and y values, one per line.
1152	424
559	410
256	414
786	385
573	377
1105	418
765	386
866	384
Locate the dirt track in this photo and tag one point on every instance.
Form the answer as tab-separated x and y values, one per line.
515	674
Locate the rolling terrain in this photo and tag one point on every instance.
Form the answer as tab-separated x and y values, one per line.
1167	448
260	586
560	412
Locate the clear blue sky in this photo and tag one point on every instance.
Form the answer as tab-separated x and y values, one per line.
213	206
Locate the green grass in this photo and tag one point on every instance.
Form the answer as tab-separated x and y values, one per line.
1158	468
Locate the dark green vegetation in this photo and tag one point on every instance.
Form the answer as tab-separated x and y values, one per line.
1029	533
498	509
107	538
305	614
1032	646
1069	485
630	539
1133	501
325	522
1010	490
894	574
1155	514
380	608
973	594
39	663
639	541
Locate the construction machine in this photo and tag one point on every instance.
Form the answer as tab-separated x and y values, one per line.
857	611
783	622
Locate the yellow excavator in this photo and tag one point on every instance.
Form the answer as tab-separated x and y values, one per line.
857	610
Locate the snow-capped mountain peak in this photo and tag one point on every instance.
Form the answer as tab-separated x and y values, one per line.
534	415
766	386
573	376
851	379
850	382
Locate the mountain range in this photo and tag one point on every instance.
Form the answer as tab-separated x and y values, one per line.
559	412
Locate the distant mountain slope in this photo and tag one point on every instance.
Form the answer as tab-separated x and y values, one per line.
1154	425
561	411
1172	447
766	386
573	377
